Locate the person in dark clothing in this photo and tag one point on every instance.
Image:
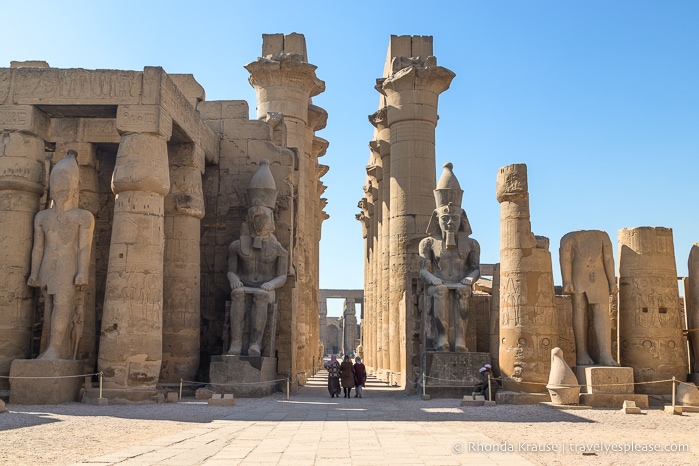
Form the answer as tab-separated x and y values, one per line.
333	368
359	376
347	375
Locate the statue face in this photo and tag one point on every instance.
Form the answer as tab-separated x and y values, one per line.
261	220
449	222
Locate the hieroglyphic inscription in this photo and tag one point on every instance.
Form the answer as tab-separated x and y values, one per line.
53	86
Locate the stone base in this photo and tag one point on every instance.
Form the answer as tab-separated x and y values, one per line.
452	375
673	410
613	400
64	388
222	400
203	394
172	397
243	376
605	379
630	407
521	398
2	407
473	400
125	396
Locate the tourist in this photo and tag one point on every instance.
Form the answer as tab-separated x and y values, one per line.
333	368
359	376
347	375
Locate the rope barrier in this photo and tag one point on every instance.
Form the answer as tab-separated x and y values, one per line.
565	385
191	382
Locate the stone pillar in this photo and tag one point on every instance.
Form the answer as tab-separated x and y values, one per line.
365	218
23	130
284	82
528	325
323	322
494	339
130	352
350	330
650	327
692	292
90	201
184	209
412	90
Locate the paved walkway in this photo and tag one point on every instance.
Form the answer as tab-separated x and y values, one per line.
385	427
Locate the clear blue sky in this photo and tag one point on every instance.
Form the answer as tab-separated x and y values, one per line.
599	98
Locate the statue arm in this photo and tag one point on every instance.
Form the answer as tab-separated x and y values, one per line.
474	264
87	227
232	275
565	253
281	268
608	258
426	263
37	252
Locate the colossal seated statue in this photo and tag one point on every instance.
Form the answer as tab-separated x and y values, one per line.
449	264
257	266
60	261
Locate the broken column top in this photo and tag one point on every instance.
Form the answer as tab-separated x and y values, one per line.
407	46
284	44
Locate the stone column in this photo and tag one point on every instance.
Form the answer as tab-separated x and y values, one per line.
23	130
692	292
528	325
412	90
350	330
366	220
184	209
323	322
650	327
130	352
284	82
90	201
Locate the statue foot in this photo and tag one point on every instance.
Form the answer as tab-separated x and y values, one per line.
608	360
461	349
254	350
584	359
443	347
49	354
234	351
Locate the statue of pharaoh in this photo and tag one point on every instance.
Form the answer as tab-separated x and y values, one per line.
449	264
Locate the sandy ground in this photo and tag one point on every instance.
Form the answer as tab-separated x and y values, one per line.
71	433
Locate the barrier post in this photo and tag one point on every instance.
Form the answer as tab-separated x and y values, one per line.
180	389
100	384
424	392
673	393
287	388
490	391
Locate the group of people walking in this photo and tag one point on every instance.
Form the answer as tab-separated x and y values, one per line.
346	374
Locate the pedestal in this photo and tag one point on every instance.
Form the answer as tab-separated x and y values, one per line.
63	386
605	379
452	375
243	376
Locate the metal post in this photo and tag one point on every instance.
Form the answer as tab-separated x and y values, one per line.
423	385
287	388
180	390
100	384
490	389
673	393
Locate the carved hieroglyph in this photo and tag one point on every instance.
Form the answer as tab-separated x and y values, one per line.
650	329
587	269
528	325
61	259
449	265
257	265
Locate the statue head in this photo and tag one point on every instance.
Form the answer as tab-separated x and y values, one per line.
64	180
263	189
448	217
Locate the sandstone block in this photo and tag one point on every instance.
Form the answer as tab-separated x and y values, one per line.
44	382
629	407
599	379
226	399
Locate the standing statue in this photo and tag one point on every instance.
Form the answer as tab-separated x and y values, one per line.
449	264
587	269
257	265
60	260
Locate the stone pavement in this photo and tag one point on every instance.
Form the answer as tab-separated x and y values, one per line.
385	427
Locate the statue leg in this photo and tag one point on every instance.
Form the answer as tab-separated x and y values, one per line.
260	302
237	319
461	319
441	316
580	330
46	330
603	332
59	336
